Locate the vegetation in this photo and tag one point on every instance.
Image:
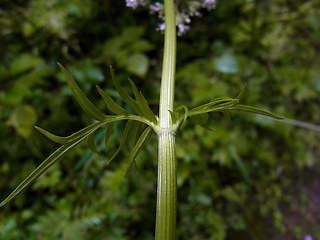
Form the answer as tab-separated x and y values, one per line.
236	182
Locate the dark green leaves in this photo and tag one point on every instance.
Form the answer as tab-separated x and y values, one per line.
245	108
79	134
123	140
218	104
125	97
142	139
91	144
52	159
133	127
201	119
108	134
84	102
223	104
112	105
140	105
54	138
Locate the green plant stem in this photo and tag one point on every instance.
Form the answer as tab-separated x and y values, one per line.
168	67
167	188
167	176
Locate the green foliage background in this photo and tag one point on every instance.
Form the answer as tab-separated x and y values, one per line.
251	178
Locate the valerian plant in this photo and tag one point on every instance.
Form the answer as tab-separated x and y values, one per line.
165	124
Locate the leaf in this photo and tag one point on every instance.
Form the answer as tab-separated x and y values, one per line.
136	130
147	108
125	97
243	91
70	143
245	108
84	102
125	135
51	160
178	117
218	104
136	149
173	117
54	138
108	134
91	144
226	114
74	136
201	119
142	103
178	114
112	105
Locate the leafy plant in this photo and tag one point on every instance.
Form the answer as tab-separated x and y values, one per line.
165	126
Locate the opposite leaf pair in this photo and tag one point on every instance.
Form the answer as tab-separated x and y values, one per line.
135	127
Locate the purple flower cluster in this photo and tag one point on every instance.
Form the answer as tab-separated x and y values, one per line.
156	7
183	15
209	4
182	28
135	3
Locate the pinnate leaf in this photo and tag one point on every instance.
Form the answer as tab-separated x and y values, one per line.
108	134
68	143
136	149
112	105
91	144
54	138
245	108
126	133
218	104
142	103
74	136
137	127
201	119
125	97
225	105
50	161
84	102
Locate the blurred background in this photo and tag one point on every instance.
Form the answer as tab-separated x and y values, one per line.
252	178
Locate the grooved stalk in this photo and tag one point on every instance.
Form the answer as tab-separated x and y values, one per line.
168	67
167	188
167	176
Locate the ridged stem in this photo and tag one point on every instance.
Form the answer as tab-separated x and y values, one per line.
167	176
168	67
167	188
